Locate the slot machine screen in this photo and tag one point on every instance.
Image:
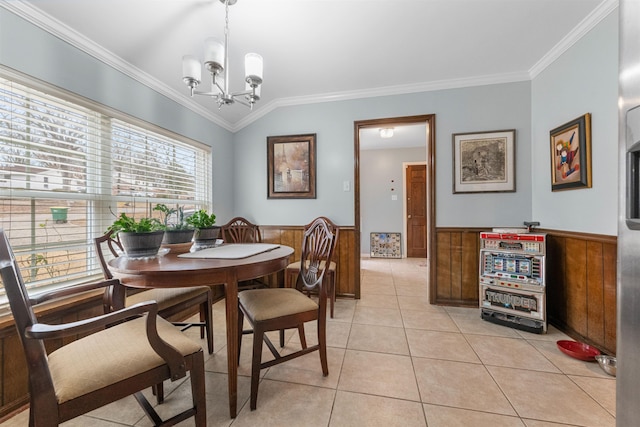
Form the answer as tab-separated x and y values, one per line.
514	265
518	266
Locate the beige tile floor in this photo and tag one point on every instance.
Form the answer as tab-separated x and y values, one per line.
395	360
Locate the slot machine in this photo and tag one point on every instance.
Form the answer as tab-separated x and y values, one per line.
512	280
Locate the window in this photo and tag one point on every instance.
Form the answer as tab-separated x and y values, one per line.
69	167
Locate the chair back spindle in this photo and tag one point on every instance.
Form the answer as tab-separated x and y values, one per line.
114	296
240	230
318	244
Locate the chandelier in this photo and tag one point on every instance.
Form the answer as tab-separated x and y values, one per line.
216	61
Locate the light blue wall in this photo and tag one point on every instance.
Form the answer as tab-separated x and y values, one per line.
583	80
32	51
482	108
381	177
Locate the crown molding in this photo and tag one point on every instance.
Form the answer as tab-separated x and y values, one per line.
381	91
588	23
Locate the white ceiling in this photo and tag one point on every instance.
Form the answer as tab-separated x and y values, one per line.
322	50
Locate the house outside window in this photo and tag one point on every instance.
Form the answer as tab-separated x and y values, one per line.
69	168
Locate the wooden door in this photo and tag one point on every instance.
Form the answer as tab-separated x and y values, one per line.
416	181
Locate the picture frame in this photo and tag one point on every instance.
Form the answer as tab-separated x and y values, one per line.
291	166
385	245
570	146
484	162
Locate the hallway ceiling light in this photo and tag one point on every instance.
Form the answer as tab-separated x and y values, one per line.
216	61
386	132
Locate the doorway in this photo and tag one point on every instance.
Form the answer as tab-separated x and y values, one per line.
429	227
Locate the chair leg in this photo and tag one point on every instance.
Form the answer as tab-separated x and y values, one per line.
303	338
332	292
206	316
158	392
203	319
240	333
289	282
322	344
198	389
256	361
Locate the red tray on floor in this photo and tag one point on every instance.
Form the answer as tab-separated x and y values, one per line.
578	350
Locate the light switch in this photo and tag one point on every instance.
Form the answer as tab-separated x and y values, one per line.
394	197
346	186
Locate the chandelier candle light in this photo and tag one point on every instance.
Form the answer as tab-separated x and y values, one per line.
216	61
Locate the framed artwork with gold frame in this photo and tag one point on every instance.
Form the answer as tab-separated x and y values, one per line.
291	167
571	154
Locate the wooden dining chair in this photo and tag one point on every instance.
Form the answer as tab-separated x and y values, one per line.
293	270
241	230
140	349
171	301
288	308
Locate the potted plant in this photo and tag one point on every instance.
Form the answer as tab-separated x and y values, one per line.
175	232
206	232
139	238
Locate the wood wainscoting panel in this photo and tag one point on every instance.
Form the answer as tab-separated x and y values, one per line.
595	292
581	280
15	386
575	281
456	261
442	289
346	284
610	289
581	286
470	264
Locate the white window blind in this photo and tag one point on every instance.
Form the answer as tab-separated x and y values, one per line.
66	169
155	166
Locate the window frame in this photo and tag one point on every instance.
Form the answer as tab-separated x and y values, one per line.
100	203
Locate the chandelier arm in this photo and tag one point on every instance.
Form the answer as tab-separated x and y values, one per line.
243	102
244	92
210	94
221	89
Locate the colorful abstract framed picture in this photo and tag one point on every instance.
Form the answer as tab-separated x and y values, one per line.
484	162
571	154
291	167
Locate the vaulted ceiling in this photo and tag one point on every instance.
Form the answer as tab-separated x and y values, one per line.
320	50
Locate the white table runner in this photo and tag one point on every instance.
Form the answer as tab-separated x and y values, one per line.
232	251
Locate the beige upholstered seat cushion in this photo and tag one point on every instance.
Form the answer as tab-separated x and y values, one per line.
296	265
109	356
166	297
264	304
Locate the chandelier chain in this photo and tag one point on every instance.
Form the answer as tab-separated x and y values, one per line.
226	18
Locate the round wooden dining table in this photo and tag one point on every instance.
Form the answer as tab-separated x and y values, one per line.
170	271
